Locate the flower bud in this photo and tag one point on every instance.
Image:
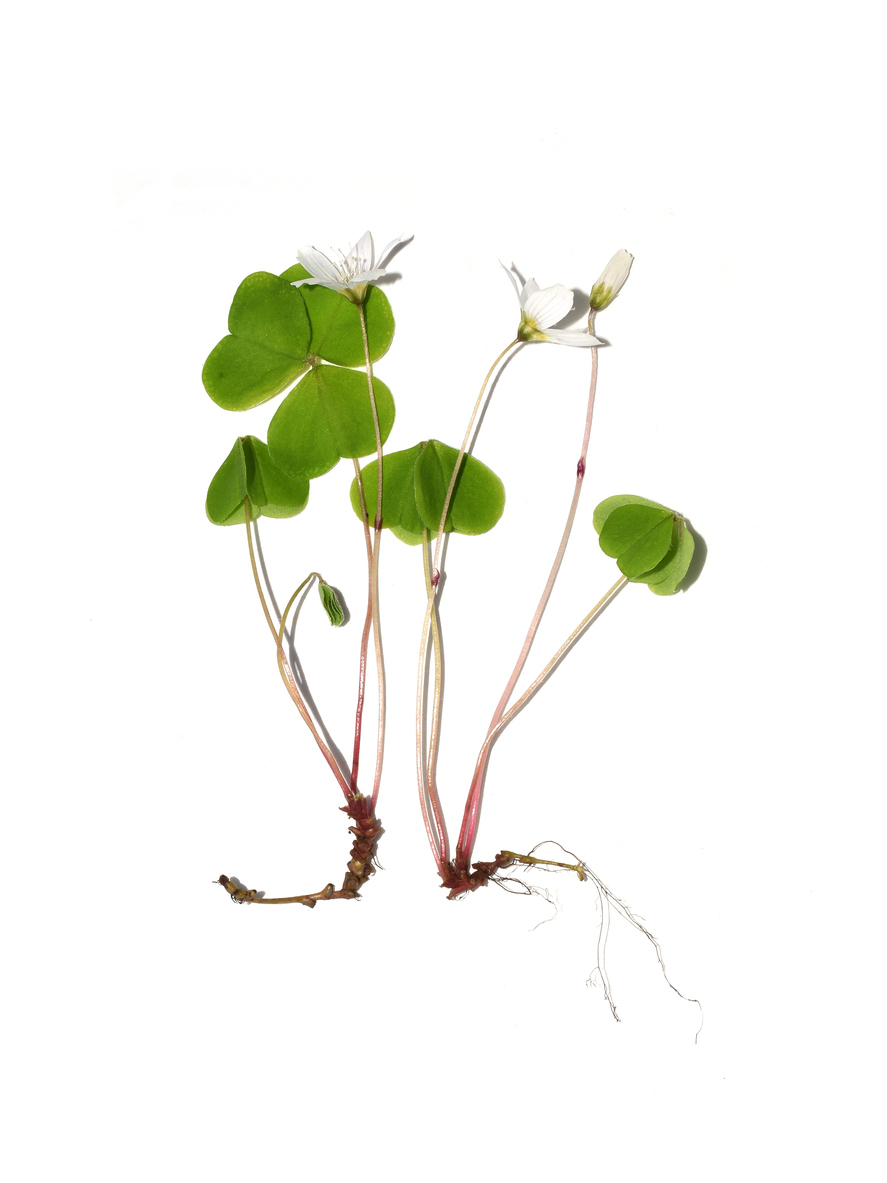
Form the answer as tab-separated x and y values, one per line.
331	605
608	286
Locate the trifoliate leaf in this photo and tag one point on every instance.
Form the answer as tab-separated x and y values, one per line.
650	542
414	488
267	344
249	471
328	416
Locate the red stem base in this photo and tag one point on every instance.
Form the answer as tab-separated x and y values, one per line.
458	878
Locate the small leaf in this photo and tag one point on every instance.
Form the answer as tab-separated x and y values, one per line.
635	531
414	487
331	605
328	416
267	344
335	322
249	471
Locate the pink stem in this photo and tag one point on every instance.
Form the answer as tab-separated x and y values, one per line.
471	817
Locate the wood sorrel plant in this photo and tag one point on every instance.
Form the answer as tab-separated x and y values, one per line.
320	322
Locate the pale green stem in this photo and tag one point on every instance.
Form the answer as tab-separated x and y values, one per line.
429	801
463	450
574	636
283	666
374	566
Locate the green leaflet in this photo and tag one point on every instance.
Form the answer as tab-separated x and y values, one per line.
250	472
414	488
679	566
650	542
335	322
266	348
606	507
328	416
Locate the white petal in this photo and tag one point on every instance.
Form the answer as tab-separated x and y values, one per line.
366	277
572	337
548	306
616	271
391	245
362	252
510	275
318	264
529	289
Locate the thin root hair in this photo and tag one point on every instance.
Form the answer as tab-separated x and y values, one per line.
606	899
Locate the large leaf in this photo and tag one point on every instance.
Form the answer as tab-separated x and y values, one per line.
335	322
267	346
250	472
328	416
650	542
414	485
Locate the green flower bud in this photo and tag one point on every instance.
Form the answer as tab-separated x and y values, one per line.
331	605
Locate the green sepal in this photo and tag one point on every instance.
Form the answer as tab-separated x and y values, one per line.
249	471
650	542
326	417
266	348
331	605
415	483
335	322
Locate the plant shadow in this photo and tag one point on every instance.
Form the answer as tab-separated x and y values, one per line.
293	656
700	554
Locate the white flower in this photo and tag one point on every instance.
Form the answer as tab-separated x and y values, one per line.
349	274
542	307
610	283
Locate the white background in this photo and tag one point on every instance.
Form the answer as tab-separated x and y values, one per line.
710	755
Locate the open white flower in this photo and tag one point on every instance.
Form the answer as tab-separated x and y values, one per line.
611	279
349	273
543	307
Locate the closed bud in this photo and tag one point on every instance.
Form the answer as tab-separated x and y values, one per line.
608	286
331	605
